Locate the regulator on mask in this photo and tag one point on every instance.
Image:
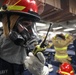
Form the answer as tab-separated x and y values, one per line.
22	31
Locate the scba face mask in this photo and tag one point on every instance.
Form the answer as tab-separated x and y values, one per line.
22	31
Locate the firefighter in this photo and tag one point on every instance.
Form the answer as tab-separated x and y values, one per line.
61	43
18	18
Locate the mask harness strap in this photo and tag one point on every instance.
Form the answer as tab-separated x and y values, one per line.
8	19
4	7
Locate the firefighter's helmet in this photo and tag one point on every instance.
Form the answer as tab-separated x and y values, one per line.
26	8
66	69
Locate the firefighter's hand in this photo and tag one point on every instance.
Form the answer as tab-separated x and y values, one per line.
49	45
36	64
38	49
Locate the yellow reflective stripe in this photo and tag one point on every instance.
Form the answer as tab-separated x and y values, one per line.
72	71
11	7
58	56
63	48
65	72
66	35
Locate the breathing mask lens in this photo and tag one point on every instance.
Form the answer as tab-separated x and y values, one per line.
24	28
25	25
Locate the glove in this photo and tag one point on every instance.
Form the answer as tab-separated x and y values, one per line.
36	64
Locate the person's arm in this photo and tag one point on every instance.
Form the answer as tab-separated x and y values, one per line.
36	64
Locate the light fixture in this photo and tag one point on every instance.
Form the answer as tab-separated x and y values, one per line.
1	24
40	34
69	29
40	24
57	28
42	31
74	25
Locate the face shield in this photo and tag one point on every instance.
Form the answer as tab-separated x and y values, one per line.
23	24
